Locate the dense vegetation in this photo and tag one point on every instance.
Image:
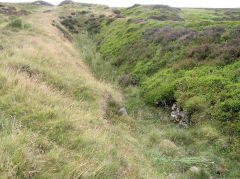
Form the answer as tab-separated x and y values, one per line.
186	55
59	118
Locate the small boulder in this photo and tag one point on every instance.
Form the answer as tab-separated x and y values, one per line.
183	124
123	111
194	169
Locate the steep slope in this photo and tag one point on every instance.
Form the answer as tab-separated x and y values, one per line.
52	109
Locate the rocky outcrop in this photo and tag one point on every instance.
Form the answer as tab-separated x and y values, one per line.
179	116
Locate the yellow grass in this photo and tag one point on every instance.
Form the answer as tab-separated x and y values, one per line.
52	109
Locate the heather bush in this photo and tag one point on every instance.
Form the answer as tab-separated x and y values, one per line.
185	64
231	54
201	52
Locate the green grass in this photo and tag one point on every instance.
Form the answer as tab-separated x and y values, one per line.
164	71
189	147
59	103
169	60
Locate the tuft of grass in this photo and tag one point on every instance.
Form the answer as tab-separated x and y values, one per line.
16	24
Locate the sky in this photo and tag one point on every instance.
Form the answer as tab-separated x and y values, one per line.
174	3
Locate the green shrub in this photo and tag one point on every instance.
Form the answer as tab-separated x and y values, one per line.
196	104
83	11
162	94
16	24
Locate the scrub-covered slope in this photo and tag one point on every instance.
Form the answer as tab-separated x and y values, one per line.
58	119
186	55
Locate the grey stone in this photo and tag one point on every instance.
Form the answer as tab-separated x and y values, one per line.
194	169
183	124
178	115
123	111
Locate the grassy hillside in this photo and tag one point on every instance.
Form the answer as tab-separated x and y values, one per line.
59	117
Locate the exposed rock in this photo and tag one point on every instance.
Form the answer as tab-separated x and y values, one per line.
194	169
123	111
177	113
179	116
183	124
